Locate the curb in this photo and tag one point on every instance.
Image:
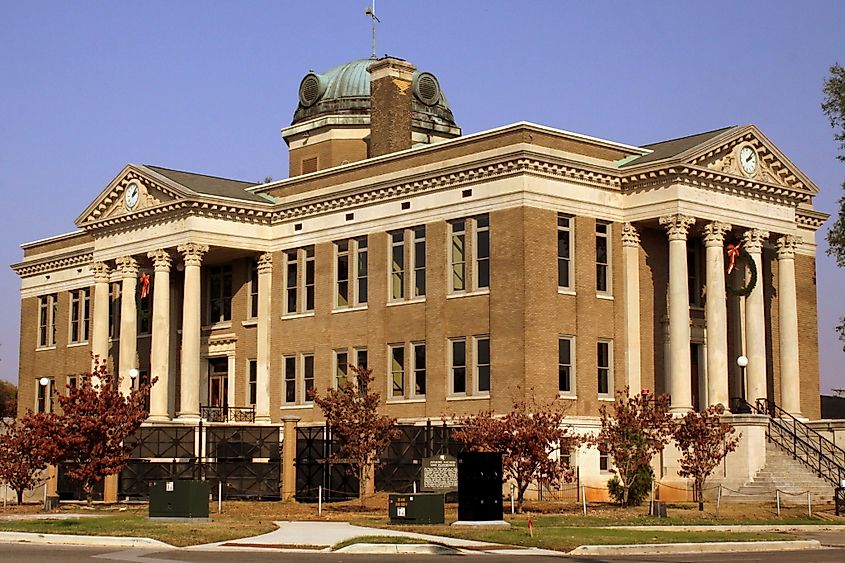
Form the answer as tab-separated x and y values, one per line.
714	547
399	548
69	539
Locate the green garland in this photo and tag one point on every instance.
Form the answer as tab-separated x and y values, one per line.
752	282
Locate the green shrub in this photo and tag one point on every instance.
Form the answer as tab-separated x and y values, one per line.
637	492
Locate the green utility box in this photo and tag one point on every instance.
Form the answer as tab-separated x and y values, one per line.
417	508
179	499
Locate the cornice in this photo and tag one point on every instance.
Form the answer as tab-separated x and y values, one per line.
810	218
52	264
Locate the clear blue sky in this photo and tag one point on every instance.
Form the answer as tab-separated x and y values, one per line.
88	86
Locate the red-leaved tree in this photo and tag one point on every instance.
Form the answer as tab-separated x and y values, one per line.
94	422
528	435
27	447
351	411
632	432
704	441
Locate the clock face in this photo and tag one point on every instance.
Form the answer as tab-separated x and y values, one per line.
748	160
131	196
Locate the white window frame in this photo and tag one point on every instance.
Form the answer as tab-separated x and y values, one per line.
452	367
609	368
450	271
48	394
47	331
476	260
252	295
305	259
337	365
392	372
571	340
607	236
569	229
80	299
252	384
285	361
355	248
396	242
222	271
416	370
476	365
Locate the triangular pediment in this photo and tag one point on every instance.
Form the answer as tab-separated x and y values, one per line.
148	190
765	163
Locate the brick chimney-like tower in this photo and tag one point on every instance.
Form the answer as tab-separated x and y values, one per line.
391	94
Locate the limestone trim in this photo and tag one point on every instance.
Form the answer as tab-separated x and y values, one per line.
101	272
630	236
755	322
677	225
161	260
127	266
714	233
192	253
54	264
786	246
265	263
754	240
810	218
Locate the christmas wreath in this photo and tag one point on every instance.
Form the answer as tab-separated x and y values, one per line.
736	251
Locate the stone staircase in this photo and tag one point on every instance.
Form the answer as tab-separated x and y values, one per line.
782	472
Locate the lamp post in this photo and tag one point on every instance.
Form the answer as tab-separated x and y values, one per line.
133	376
742	362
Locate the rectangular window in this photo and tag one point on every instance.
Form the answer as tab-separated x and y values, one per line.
397	370
219	294
341	372
308	377
602	257
564	251
397	265
458	255
299	280
565	371
361	358
693	274
44	394
290	380
419	261
252	384
252	309
362	269
291	281
145	312
419	368
482	251
482	364
350	272
80	310
604	359
604	463
458	378
114	311
47	319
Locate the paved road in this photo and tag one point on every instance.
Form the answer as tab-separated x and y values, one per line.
69	554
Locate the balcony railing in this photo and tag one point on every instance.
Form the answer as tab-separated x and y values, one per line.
227	414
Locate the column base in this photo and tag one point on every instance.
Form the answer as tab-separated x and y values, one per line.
680	410
263	419
189	417
158	418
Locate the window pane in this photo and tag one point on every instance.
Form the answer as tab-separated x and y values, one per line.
565	365
419	369
482	355
459	366
290	380
308	376
397	371
397	267
342	368
361	359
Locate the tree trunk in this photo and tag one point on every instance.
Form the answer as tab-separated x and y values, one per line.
520	497
20	496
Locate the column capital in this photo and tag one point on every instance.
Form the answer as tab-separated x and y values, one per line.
714	233
786	246
265	263
677	225
128	266
101	272
192	252
630	236
754	239
161	260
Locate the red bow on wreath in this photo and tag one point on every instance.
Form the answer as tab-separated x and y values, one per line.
733	254
145	285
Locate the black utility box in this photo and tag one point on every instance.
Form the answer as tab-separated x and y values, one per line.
179	499
480	486
416	508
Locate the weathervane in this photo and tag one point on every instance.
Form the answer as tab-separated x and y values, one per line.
371	11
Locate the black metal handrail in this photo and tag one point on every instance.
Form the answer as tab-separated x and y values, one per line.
798	439
227	414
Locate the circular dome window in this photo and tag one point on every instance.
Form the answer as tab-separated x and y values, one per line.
310	89
427	89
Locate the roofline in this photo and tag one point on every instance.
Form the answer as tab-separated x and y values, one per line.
54	238
147	166
457	141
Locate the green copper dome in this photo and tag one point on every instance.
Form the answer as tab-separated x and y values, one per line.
345	90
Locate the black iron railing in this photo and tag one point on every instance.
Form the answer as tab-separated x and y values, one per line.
797	439
227	414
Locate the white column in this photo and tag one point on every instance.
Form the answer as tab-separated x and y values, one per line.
680	387
262	392
160	346
716	312
128	321
189	408
631	261
790	383
100	325
755	320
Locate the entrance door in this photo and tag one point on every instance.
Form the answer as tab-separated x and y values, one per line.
218	382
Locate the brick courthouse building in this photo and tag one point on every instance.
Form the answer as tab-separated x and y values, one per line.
463	269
